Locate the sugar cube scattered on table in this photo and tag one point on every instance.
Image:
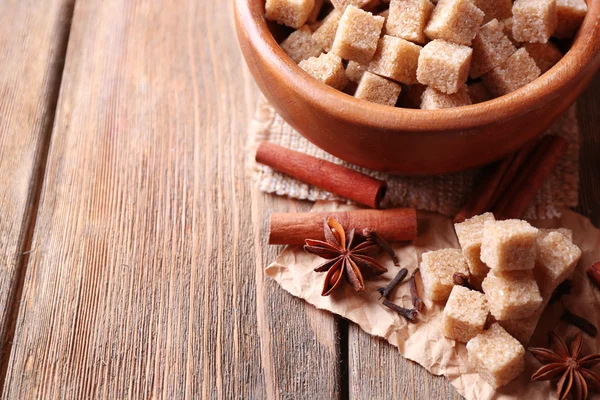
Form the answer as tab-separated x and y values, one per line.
432	99
456	21
376	89
570	14
556	260
300	45
523	329
517	71
491	48
479	93
355	71
365	4
328	68
396	59
465	314
444	66
470	234
496	356
316	10
407	19
325	33
509	245
512	295
545	55
357	35
534	21
437	268
495	9
293	13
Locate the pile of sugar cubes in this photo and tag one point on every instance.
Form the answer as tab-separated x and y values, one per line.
453	53
517	267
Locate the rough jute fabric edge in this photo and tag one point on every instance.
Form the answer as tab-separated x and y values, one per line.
444	194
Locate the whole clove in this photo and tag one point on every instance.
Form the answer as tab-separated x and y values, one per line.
372	236
462	280
387	290
414	292
593	273
580	323
408	313
561	290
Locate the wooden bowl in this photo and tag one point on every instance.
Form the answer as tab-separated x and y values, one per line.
407	141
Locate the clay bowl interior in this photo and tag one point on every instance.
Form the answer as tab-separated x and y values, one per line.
409	141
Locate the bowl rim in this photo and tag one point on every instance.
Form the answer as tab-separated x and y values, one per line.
584	49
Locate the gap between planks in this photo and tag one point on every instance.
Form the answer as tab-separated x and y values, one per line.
35	189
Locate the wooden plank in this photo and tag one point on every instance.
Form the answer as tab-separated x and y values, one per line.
33	36
146	278
588	113
378	371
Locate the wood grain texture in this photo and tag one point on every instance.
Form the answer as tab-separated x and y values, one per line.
588	113
146	274
32	45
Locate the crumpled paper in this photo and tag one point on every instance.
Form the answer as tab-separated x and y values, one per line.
423	342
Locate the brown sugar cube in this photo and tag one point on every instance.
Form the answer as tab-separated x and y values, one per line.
517	71
563	231
396	59
378	90
325	34
465	314
408	18
456	21
479	93
491	48
364	4
293	13
496	356
556	259
509	245
495	9
436	100
355	71
570	15
357	35
412	95
511	295
545	55
314	13
300	45
507	25
534	21
437	268
327	68
522	329
444	66
470	234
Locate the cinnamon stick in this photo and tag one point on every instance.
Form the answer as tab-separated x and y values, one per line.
334	178
481	198
491	189
394	225
515	201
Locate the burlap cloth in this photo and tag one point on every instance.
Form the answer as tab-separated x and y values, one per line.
443	194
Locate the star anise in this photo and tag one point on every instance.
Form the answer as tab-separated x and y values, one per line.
343	258
565	362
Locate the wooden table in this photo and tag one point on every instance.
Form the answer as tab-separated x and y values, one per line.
132	241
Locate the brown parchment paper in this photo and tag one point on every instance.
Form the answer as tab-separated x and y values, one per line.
423	342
